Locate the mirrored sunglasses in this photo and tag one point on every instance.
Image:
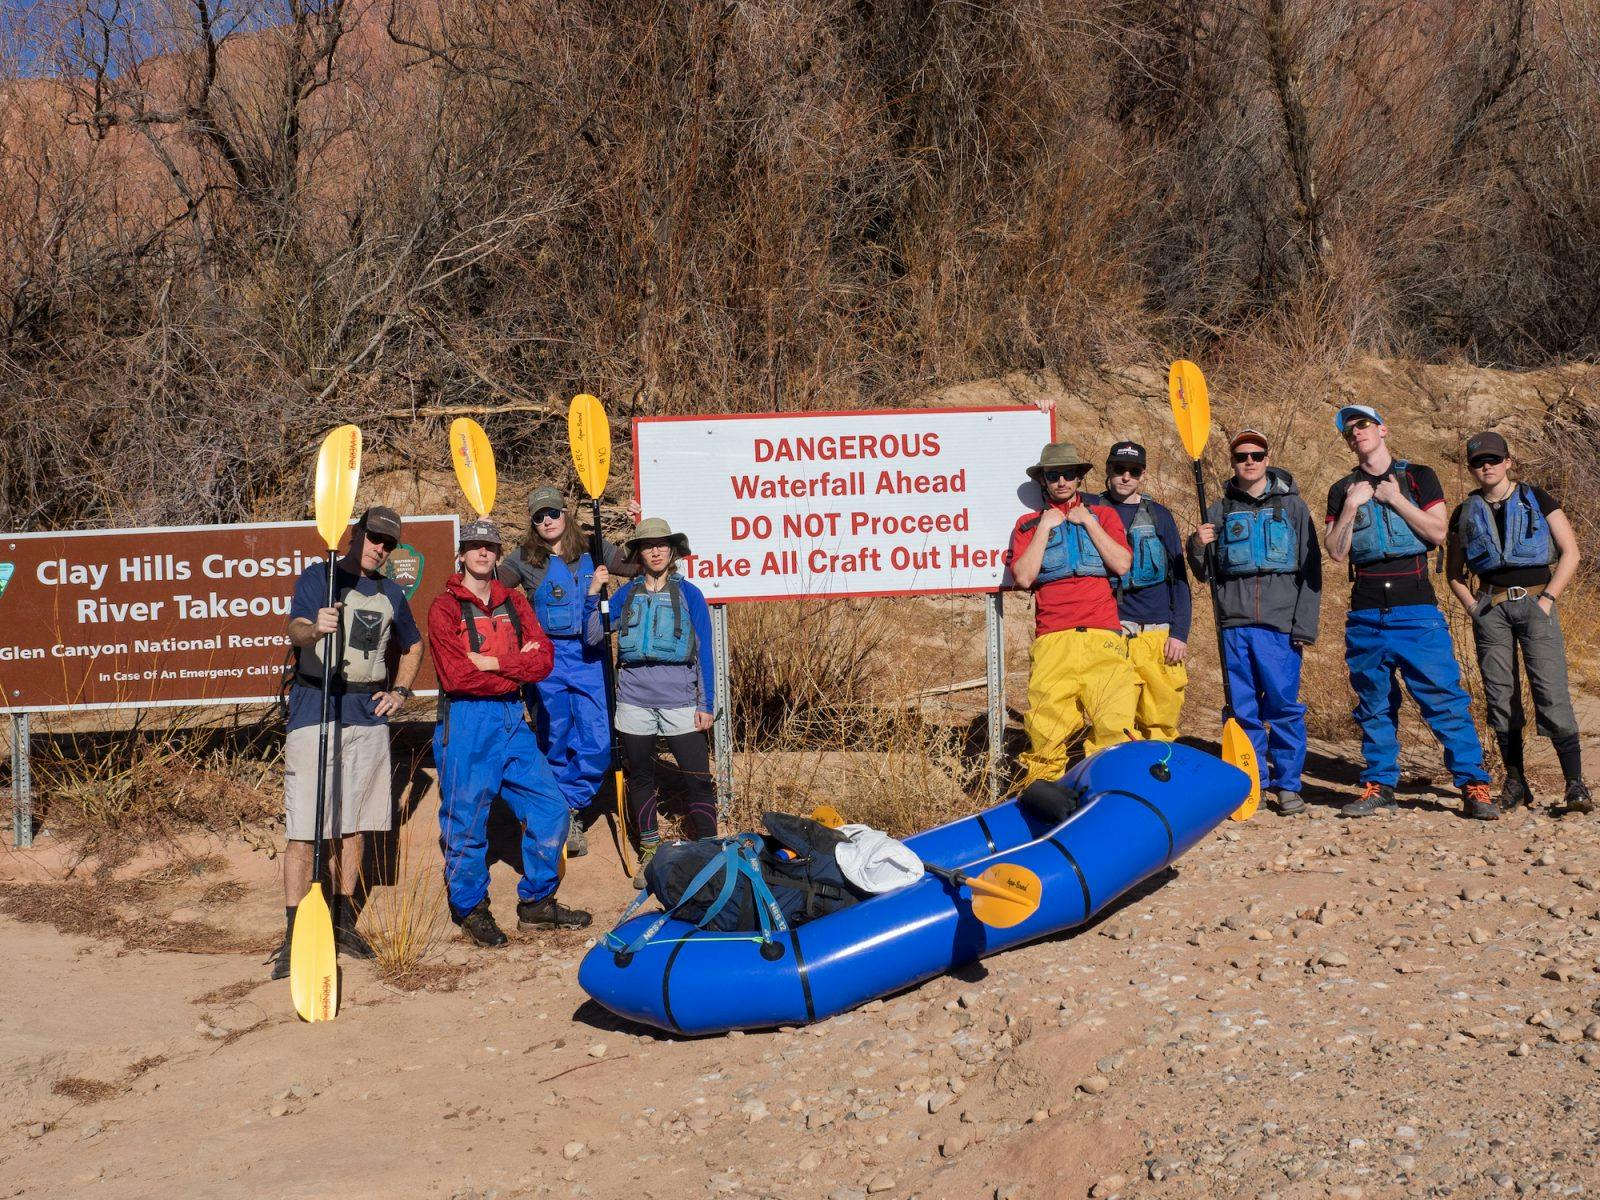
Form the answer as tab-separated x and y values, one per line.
1356	423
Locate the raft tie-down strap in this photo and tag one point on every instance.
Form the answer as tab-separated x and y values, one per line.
804	973
1083	882
983	827
1160	816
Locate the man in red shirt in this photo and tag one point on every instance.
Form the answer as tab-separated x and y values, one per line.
1079	679
486	644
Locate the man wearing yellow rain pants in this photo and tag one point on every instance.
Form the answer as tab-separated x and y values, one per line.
1079	681
1153	597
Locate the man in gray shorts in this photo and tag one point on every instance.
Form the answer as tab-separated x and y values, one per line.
369	616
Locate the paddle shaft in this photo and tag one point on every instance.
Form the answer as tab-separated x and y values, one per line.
328	648
962	879
1216	602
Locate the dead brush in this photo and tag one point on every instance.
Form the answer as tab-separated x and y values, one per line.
405	916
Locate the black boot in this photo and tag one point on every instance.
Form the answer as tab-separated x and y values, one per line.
345	935
481	927
1375	797
1514	792
1476	805
550	913
280	956
1577	798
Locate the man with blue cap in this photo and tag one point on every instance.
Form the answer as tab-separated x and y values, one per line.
1385	519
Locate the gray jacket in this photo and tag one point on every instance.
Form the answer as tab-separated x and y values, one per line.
1289	603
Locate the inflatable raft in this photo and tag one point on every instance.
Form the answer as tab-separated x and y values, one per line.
1143	804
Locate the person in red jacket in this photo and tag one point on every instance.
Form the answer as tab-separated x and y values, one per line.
486	644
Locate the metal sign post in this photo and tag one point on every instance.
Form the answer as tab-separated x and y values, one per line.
21	783
722	719
994	631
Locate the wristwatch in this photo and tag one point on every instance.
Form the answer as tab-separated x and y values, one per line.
404	693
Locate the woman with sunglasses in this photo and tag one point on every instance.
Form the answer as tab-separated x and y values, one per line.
1519	544
1385	518
556	572
1079	678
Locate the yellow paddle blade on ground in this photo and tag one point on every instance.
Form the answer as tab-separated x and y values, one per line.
1241	752
590	435
474	460
338	472
1191	406
313	967
1004	895
622	824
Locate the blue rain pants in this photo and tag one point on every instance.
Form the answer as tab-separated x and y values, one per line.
574	731
1264	676
1411	643
483	749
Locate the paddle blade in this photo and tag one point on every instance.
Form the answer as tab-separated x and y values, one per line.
313	969
338	471
1191	406
826	814
474	460
590	435
620	827
1238	750
1005	895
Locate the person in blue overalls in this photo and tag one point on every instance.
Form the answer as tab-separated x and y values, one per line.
555	570
1385	518
1520	546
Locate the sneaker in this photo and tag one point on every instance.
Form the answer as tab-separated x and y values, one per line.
645	856
1476	805
550	913
577	839
1514	793
1376	796
1577	798
481	927
1288	802
280	961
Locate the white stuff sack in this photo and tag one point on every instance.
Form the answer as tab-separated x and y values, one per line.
874	861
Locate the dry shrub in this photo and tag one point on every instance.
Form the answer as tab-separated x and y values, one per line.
86	1091
406	916
111	909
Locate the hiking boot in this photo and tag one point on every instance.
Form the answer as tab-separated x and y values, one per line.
1577	798
577	839
280	961
481	927
1288	803
638	876
1376	796
550	913
345	936
1514	793
1476	805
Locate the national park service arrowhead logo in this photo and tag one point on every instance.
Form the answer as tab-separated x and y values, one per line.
6	571
405	567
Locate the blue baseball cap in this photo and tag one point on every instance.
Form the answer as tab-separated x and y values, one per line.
1355	410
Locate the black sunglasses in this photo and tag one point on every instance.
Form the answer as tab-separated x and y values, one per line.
1486	460
1056	474
546	514
1124	469
383	543
1250	456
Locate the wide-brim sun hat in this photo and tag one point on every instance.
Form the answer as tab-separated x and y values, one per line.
1057	454
651	529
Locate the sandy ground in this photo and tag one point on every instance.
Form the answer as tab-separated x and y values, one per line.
1307	1006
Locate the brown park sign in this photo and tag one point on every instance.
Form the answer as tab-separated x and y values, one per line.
149	617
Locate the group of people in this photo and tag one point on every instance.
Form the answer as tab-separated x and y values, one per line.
1112	608
1110	575
509	634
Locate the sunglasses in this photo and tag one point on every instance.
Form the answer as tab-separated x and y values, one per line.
1056	474
1124	469
1357	423
547	514
1486	460
1242	456
386	544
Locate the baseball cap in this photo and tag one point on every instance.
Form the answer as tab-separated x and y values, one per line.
1253	437
1126	452
384	522
546	497
481	530
1355	410
1487	443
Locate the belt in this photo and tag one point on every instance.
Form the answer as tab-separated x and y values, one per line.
1135	628
1498	596
339	687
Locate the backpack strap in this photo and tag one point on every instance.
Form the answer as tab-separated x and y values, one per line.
737	859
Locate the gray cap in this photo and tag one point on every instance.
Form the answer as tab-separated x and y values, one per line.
481	530
384	522
546	497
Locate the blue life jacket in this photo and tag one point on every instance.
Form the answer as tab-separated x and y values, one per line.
1149	554
655	627
1527	538
558	599
1068	553
1258	541
1379	531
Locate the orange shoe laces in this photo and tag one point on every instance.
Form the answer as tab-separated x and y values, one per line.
1478	792
1373	789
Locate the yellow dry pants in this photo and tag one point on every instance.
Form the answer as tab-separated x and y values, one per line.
1160	686
1079	683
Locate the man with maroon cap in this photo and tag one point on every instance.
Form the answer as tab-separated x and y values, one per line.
1258	548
